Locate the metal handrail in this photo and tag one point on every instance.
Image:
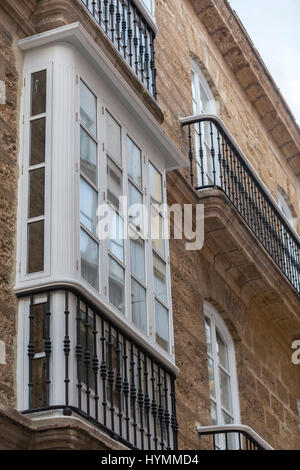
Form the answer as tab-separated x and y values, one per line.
233	174
132	31
255	441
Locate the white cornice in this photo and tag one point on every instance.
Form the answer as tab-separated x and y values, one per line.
76	35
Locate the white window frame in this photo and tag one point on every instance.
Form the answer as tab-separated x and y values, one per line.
217	323
198	81
104	107
25	170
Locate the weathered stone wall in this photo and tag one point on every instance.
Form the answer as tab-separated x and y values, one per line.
10	67
268	382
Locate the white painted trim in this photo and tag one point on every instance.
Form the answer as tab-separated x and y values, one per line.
219	121
84	43
203	430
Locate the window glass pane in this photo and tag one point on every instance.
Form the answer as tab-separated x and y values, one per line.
208	335
159	273
114	183
38	93
116	237
116	285
89	259
135	209
36	193
88	206
155	185
214	420
138	304
37	141
211	378
113	136
225	390
134	162
222	351
88	109
157	233
137	258
88	156
162	325
35	261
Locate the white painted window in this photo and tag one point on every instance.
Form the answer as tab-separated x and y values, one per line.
223	385
36	170
203	103
99	144
133	290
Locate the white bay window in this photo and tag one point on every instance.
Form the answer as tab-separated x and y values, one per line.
92	142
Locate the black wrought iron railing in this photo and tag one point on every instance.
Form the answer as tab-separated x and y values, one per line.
131	33
233	437
80	362
217	161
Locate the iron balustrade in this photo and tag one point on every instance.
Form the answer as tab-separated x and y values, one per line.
131	33
233	437
80	362
220	163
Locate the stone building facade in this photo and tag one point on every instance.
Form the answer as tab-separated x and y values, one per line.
254	294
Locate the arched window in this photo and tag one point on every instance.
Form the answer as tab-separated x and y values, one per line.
223	385
203	103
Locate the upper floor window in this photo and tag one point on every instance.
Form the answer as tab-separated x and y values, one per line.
223	385
203	103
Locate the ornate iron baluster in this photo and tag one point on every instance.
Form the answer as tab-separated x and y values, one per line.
48	349
111	379
126	388
147	401
124	27
212	152
141	399
67	349
129	32
87	360
30	350
112	20
133	395
119	383
160	410
167	414
174	423
95	365
154	407
118	24
103	371
78	352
